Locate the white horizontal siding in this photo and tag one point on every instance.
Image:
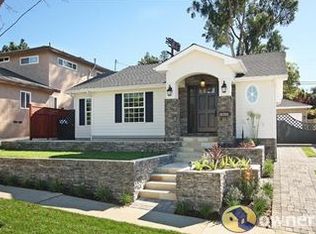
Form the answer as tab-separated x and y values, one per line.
103	114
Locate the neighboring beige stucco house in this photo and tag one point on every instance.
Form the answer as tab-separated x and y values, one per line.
52	67
16	91
297	110
42	74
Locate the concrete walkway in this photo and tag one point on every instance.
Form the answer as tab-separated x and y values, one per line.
294	198
138	216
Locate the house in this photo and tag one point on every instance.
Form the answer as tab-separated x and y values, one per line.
52	67
16	92
297	110
198	92
39	76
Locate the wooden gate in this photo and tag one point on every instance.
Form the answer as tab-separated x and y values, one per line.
291	130
51	123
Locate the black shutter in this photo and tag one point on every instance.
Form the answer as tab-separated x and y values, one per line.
82	113
149	107
118	108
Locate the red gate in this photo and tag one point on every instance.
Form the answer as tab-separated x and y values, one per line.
45	121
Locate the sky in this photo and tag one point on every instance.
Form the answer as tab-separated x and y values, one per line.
126	29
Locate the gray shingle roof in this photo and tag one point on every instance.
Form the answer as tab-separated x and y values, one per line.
264	64
257	65
133	75
10	76
288	103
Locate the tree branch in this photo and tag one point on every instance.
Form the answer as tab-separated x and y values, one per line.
20	17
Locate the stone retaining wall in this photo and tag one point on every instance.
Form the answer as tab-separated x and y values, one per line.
207	187
106	146
256	155
118	176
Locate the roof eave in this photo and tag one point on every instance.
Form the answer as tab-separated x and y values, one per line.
266	77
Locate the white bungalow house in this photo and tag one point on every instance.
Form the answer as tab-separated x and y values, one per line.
198	92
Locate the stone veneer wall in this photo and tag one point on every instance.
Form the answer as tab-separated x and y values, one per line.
118	176
183	97
106	146
172	119
256	155
207	187
225	129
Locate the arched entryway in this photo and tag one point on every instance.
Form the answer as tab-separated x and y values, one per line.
198	96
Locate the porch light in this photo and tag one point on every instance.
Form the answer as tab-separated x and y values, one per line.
202	83
224	87
169	91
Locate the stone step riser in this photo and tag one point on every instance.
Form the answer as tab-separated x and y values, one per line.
156	194
199	139
170	186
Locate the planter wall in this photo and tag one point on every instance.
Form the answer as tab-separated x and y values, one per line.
118	176
106	146
256	154
207	187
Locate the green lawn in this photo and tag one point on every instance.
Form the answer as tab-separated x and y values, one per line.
21	217
77	155
309	151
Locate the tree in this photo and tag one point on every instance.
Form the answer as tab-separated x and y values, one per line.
291	86
244	25
12	46
148	59
164	55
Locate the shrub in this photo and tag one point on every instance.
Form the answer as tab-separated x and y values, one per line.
13	180
247	143
104	194
126	199
80	191
268	168
41	185
28	183
205	211
184	208
248	185
261	203
233	196
56	186
267	189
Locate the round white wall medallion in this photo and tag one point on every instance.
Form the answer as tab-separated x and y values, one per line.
252	94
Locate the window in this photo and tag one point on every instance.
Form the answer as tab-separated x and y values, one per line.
85	111
4	59
252	94
25	99
133	107
67	64
29	60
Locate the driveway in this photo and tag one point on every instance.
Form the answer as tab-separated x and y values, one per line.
294	200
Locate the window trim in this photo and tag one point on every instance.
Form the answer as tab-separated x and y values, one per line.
26	92
5	57
144	106
65	60
85	111
25	64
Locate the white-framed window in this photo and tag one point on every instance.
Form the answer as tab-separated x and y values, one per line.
67	64
29	60
25	99
134	107
4	59
85	111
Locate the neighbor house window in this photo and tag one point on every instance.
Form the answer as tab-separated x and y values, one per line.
25	99
67	64
85	111
4	59
29	60
134	108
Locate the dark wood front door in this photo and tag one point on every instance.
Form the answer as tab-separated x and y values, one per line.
202	109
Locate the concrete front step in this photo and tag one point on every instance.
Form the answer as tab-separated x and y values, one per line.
158	194
161	185
188	157
163	177
199	139
171	168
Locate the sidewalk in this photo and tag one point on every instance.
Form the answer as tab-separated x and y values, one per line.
136	216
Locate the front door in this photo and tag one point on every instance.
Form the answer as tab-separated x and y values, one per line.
203	109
